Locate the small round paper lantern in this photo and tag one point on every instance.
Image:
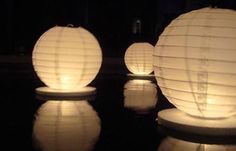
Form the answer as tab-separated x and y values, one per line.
140	95
67	58
138	58
66	126
173	144
195	60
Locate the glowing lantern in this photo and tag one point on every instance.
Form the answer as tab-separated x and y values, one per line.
195	60
140	95
138	58
66	125
66	59
173	144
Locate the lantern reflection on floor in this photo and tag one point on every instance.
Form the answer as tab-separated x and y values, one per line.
140	95
66	126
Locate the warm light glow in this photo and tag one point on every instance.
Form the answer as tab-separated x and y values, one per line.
67	57
180	121
173	144
66	126
195	60
140	95
138	58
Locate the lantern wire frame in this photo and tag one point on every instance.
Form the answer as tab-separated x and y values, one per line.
194	62
138	59
67	59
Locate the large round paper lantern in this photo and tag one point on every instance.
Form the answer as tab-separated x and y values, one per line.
140	95
66	126
138	58
173	144
67	58
195	62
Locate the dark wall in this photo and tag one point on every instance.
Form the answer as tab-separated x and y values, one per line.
111	21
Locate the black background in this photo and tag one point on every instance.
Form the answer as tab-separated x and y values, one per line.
22	22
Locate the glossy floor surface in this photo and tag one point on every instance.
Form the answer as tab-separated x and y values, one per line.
120	117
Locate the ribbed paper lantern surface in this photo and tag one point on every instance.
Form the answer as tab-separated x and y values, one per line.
195	62
140	95
173	144
67	58
138	58
66	126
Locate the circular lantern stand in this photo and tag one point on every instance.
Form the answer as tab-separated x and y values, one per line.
85	91
140	75
150	77
180	121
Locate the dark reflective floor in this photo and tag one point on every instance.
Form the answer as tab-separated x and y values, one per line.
120	117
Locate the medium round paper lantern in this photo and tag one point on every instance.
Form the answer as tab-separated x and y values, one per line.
140	95
195	62
67	58
138	58
66	126
173	144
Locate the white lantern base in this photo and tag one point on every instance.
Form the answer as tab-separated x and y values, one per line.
141	75
180	121
85	91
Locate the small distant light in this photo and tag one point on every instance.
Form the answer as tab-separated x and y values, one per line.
138	58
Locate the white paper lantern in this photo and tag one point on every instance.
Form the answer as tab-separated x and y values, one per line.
140	95
195	62
138	58
66	126
67	58
173	144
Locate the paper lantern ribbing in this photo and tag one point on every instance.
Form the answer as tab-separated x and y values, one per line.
195	60
67	58
66	126
140	95
138	58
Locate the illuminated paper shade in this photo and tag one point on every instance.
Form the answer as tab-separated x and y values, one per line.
138	58
195	62
67	58
66	126
140	95
173	144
